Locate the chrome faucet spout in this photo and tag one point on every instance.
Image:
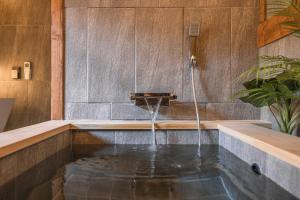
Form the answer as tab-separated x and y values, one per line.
193	61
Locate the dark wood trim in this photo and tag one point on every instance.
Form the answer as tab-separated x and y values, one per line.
262	11
57	59
270	30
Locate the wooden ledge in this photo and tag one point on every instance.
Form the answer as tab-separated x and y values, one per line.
284	147
281	146
15	140
159	125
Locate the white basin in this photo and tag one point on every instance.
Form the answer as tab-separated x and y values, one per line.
5	109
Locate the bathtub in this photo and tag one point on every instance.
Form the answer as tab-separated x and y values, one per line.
117	160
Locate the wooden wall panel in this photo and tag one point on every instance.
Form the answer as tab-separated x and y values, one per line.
231	111
39	101
25	43
159	60
208	3
149	3
25	36
212	77
18	91
25	12
110	54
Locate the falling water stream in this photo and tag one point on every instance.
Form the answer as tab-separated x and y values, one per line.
153	111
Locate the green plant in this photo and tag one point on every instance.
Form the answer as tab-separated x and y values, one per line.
275	83
287	8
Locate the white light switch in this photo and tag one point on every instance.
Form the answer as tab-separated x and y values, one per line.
27	70
15	73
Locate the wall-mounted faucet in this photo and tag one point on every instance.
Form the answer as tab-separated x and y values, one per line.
194	32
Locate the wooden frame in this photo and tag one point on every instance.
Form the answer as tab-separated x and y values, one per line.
270	30
57	59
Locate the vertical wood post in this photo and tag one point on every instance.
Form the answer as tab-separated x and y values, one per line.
57	60
262	11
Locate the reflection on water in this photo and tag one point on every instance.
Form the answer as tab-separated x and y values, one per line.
135	172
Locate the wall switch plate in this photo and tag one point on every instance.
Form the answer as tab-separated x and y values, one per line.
15	72
27	70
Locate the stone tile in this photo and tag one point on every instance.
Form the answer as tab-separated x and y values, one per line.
105	184
253	155
96	111
212	77
182	137
122	189
209	137
128	111
15	89
181	111
176	111
76	55
36	37
283	174
198	189
225	140
110	54
140	137
159	50
133	137
81	188
29	12
156	189
288	46
245	27
217	197
93	137
161	137
244	151
231	111
8	168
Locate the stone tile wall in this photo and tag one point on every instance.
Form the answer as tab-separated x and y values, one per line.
114	47
282	173
145	137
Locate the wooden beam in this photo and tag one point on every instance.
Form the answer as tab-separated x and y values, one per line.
272	30
57	60
262	11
